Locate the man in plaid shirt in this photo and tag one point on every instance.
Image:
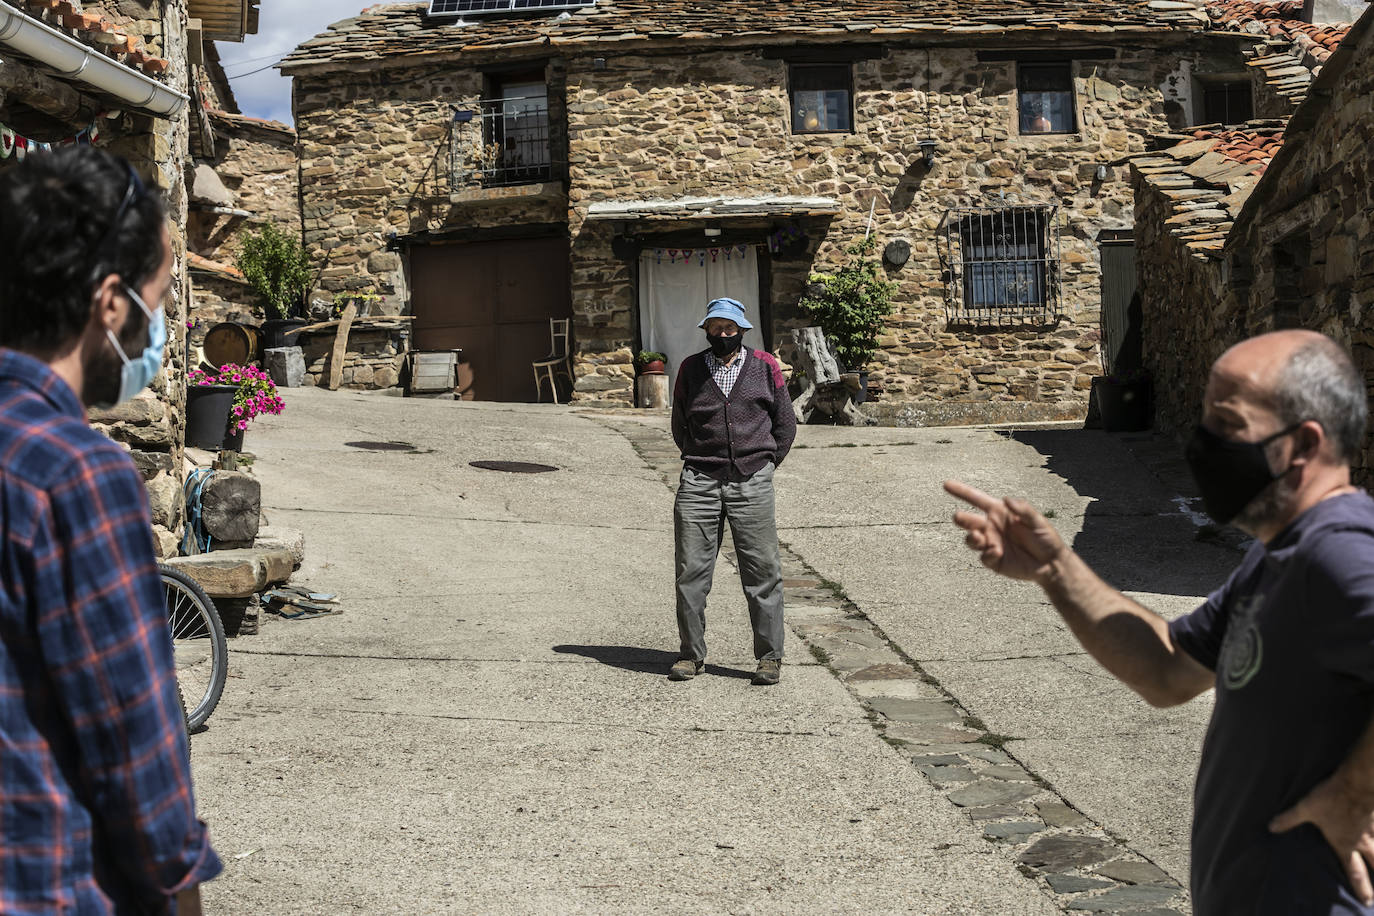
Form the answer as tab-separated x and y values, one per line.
96	809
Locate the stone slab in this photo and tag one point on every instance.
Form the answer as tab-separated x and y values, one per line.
286	365
237	573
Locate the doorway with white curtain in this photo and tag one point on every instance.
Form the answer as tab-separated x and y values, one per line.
676	283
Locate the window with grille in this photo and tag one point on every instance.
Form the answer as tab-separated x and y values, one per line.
820	98
1001	264
1045	98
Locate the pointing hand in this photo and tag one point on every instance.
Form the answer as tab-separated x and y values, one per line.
1010	537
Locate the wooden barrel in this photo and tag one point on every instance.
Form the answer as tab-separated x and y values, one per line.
231	342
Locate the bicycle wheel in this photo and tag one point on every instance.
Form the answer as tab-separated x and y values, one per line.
198	643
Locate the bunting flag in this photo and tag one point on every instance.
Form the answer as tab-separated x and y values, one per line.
14	144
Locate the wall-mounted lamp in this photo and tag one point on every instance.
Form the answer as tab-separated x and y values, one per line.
461	116
928	152
712	232
598	63
1101	173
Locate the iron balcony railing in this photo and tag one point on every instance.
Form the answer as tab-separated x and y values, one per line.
514	142
1001	264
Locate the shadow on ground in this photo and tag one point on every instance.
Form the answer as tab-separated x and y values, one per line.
643	661
1135	534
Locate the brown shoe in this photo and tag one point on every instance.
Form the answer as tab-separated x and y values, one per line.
684	669
769	673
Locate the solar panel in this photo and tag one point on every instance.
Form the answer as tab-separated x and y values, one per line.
497	7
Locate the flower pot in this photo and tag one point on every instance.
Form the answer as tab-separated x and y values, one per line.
281	332
653	367
1125	407
207	417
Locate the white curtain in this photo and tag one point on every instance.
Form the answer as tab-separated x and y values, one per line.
674	286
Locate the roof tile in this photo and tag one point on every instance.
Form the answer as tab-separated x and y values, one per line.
404	29
93	29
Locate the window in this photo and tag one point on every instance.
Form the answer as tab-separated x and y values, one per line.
1001	263
515	132
820	98
1226	102
1045	98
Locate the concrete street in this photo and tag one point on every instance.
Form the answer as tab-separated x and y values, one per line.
487	727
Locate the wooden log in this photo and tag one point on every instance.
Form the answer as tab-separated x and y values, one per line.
824	387
382	320
231	508
816	356
336	358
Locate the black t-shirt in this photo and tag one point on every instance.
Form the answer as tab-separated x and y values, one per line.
1291	638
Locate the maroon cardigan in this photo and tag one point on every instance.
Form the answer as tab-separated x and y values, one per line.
732	438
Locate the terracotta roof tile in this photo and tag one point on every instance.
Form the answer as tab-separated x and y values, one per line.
1206	179
405	29
93	29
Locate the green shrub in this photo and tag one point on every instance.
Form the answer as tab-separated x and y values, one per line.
277	268
851	305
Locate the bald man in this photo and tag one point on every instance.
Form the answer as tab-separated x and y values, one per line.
1284	802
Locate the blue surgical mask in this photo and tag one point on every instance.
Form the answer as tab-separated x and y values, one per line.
137	374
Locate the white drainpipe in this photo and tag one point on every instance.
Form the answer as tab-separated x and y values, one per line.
75	61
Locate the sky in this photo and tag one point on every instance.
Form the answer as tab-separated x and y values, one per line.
283	24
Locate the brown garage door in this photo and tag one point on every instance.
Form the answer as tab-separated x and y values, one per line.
493	300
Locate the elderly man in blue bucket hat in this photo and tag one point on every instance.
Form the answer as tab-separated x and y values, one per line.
733	421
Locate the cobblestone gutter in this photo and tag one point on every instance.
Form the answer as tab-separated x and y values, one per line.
1079	864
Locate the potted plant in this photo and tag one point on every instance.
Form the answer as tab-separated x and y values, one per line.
651	362
221	404
851	306
278	269
362	298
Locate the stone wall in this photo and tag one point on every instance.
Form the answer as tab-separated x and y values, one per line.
256	162
1301	253
153	426
1183	329
707	123
372	360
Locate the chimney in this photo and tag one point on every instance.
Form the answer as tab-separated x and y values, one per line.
1309	9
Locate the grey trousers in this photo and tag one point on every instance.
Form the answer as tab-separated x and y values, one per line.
702	507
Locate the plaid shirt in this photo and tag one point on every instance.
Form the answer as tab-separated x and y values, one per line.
725	374
96	809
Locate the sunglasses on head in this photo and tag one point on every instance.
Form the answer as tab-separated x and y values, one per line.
133	192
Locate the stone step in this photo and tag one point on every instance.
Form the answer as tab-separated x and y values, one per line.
238	573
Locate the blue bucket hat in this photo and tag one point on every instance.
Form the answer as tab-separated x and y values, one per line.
726	308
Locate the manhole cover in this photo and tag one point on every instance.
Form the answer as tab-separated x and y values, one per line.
382	446
513	467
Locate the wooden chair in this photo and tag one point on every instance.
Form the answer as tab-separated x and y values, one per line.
558	362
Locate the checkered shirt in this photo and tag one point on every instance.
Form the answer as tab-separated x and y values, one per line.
96	810
725	375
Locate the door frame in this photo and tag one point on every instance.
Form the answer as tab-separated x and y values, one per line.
632	247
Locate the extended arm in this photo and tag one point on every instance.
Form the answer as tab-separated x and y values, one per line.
1127	639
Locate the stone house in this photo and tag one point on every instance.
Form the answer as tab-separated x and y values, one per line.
616	161
123	75
1268	224
245	175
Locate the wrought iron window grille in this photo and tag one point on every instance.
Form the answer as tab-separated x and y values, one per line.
1001	265
509	144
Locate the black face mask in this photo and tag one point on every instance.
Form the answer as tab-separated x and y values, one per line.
723	346
1230	474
